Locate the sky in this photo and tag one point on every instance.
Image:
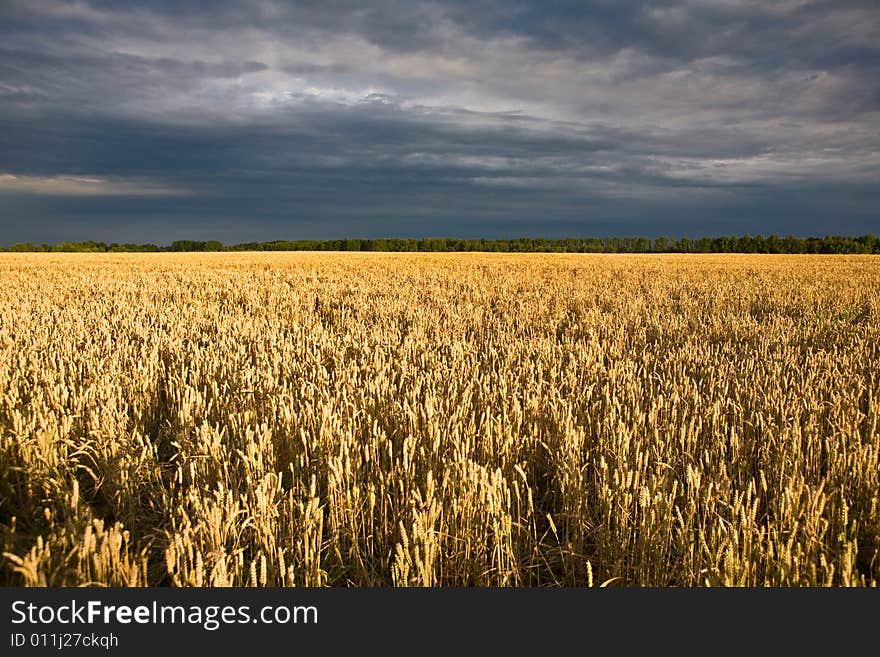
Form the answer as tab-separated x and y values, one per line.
252	120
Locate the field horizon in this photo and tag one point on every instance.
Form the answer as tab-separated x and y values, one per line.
745	243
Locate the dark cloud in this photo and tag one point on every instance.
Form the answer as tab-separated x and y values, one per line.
152	121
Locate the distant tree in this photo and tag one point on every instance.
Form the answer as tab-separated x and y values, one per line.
791	244
724	244
745	244
187	245
23	247
660	245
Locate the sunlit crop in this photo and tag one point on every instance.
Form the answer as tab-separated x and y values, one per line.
449	419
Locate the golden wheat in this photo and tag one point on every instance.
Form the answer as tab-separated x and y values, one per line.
447	419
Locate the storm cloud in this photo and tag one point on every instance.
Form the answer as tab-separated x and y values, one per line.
255	120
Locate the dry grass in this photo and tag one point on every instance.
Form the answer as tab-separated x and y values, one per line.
449	419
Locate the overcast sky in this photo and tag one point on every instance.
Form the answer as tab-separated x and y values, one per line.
256	120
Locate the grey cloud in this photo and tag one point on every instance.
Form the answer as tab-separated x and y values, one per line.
424	118
317	69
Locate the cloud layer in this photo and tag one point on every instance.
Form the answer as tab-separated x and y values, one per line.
268	120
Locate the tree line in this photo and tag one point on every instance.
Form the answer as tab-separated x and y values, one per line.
727	244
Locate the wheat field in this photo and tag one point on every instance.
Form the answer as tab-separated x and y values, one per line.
365	419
